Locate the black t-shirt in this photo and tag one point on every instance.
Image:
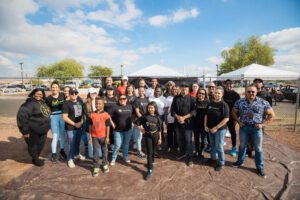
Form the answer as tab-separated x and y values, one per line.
121	116
150	123
102	91
74	111
55	104
216	112
201	110
265	95
141	104
230	97
109	104
131	99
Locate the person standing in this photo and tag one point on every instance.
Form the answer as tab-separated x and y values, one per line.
73	117
230	97
171	134
150	125
33	120
168	91
261	91
202	103
108	83
149	93
124	82
99	136
215	124
55	102
194	89
142	83
183	111
211	90
121	117
252	113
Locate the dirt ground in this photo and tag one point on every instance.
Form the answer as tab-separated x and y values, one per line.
16	167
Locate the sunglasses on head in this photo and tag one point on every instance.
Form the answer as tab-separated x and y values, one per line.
250	92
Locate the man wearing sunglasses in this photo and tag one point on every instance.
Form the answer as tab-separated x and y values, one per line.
252	113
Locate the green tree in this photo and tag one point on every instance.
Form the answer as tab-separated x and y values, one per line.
243	54
97	71
63	68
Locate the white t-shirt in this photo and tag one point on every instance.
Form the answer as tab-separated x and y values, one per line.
149	93
169	103
161	104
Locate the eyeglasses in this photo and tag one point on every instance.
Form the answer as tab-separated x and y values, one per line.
122	98
250	92
211	86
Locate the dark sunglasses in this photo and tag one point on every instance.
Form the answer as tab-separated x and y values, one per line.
211	86
250	92
72	93
122	98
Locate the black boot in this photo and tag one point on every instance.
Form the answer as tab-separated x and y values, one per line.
38	162
63	156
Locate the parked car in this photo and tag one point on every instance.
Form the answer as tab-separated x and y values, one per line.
96	85
12	89
290	92
72	84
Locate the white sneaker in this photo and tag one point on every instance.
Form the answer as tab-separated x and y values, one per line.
71	163
127	160
112	163
79	157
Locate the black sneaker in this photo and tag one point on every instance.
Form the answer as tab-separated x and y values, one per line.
190	164
38	162
54	157
149	174
63	155
260	172
237	164
219	167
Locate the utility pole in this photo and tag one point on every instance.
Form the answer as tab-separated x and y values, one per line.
121	70
21	63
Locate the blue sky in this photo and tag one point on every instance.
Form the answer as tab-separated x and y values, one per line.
186	35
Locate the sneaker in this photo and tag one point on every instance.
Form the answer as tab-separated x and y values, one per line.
54	157
95	171
169	149
156	156
190	164
219	167
200	156
71	163
127	160
237	164
79	157
141	155
38	162
149	174
105	168
113	163
233	152
63	155
260	172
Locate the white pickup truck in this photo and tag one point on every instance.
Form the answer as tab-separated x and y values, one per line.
72	84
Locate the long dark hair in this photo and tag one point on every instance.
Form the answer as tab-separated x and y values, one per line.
152	103
31	94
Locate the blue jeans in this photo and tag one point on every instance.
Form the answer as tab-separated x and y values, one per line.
184	140
137	137
73	143
216	142
121	139
256	136
58	132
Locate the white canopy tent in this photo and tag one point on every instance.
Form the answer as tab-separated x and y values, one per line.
253	71
156	71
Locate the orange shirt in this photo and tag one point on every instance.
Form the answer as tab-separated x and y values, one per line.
193	94
99	122
122	89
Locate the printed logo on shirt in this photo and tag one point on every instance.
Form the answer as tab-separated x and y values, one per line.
77	110
45	110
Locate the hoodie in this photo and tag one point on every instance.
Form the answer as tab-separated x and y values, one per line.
33	117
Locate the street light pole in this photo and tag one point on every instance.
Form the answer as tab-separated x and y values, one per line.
21	63
217	70
121	70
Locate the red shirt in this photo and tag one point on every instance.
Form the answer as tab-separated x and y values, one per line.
193	94
99	122
122	89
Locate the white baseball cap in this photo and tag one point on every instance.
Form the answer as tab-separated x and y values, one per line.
92	90
124	78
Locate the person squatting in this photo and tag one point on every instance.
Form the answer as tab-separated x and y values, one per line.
195	121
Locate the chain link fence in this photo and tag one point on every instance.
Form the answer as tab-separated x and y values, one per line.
285	94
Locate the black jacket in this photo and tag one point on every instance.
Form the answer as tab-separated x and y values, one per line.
33	117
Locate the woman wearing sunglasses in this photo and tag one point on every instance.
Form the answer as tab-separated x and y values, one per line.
121	117
201	109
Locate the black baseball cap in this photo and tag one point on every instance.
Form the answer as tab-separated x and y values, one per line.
73	91
229	80
109	88
184	84
259	80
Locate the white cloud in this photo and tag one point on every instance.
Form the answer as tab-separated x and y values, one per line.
60	6
177	16
5	62
215	60
115	16
153	48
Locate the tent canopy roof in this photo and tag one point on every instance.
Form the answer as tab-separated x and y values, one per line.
156	71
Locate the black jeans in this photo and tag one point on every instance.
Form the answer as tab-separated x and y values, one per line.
111	135
171	136
231	127
35	144
184	139
99	143
151	142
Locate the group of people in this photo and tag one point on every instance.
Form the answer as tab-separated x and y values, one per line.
113	116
